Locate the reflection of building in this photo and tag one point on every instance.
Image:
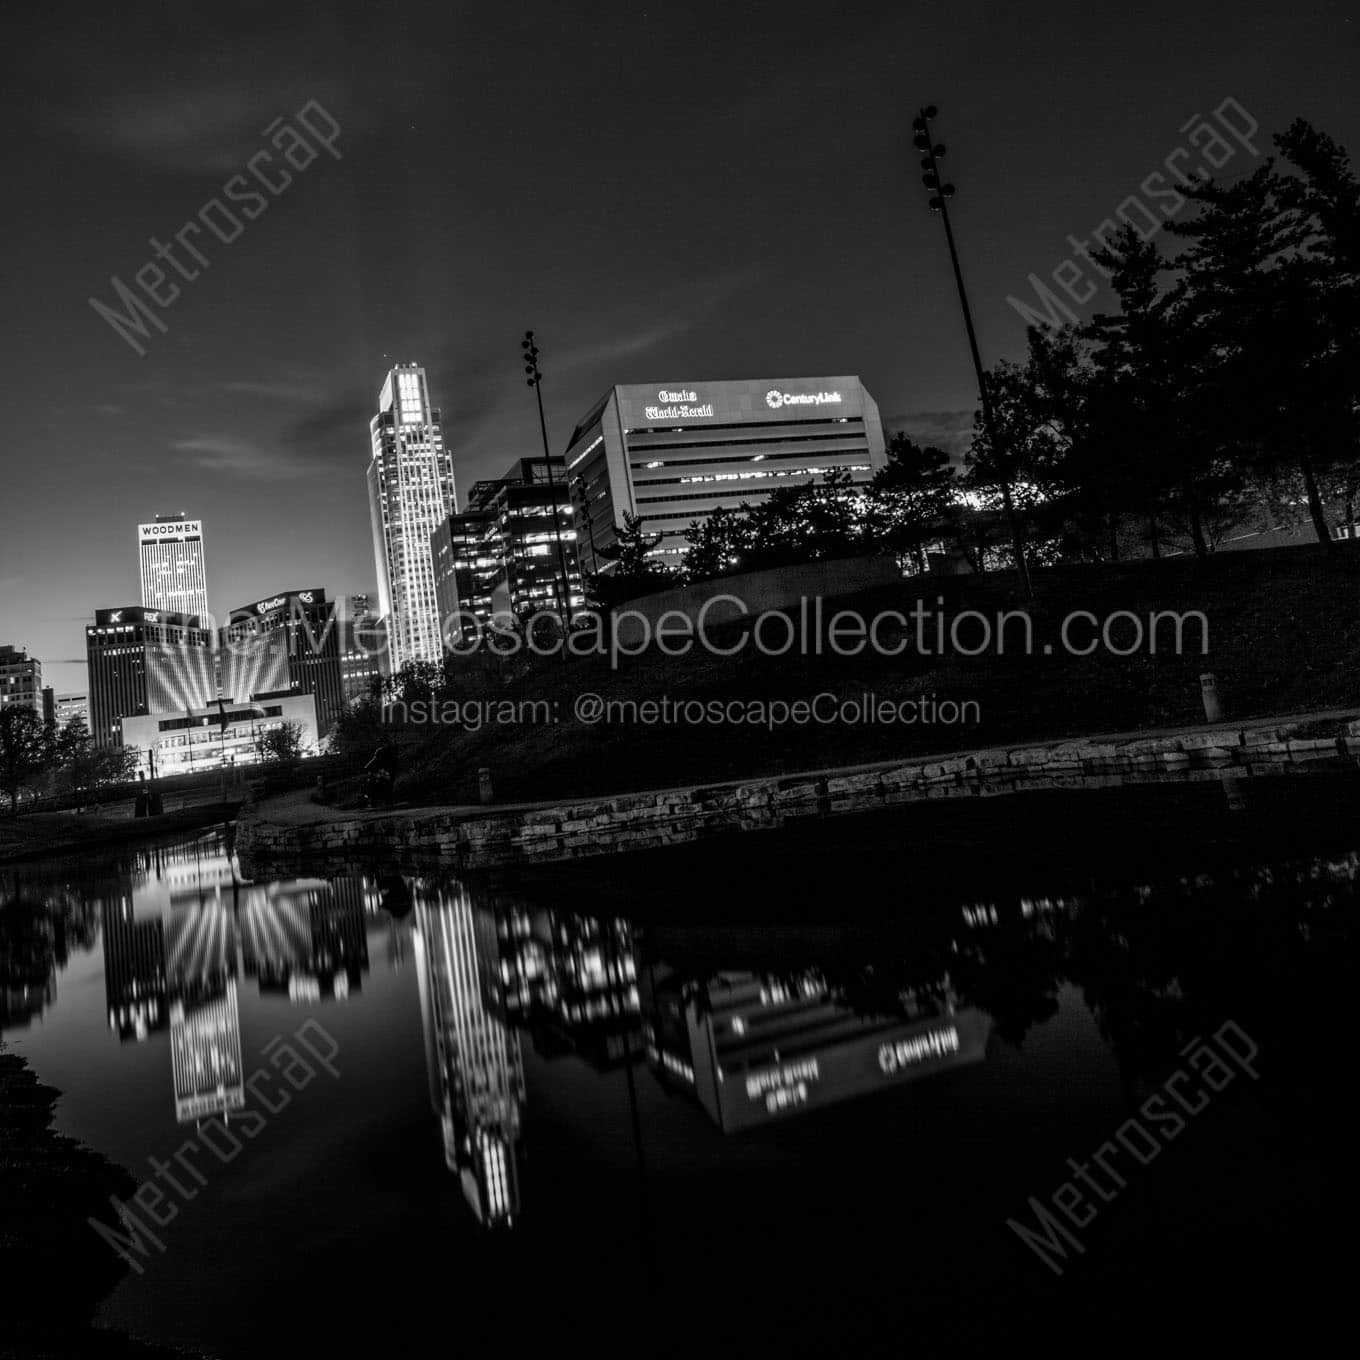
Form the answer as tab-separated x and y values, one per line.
20	679
174	578
753	1049
145	661
134	971
499	554
286	644
473	1056
307	938
28	963
410	493
573	979
673	454
205	1055
221	733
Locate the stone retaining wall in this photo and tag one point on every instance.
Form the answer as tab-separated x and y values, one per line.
430	837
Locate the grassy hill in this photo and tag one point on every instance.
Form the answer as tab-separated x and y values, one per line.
1283	630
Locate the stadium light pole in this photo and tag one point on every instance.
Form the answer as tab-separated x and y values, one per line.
941	193
535	380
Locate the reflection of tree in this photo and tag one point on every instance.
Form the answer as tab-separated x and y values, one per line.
28	961
50	1187
1012	972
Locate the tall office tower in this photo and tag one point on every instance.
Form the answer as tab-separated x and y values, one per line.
145	661
501	554
20	679
410	493
173	574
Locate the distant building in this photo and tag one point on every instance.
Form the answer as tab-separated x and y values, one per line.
174	575
410	493
500	554
145	661
363	650
285	644
673	453
20	679
72	706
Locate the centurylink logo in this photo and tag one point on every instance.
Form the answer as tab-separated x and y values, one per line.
774	398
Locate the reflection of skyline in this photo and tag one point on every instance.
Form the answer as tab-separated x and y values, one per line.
753	1048
184	928
473	1057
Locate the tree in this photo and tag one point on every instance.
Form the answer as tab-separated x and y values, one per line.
82	767
717	545
24	752
913	500
280	746
637	571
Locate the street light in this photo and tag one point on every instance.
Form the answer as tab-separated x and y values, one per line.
940	194
535	380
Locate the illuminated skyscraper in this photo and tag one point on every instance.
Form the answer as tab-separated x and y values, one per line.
173	574
410	493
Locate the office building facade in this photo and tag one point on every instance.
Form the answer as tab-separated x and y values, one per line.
671	454
174	574
363	650
215	735
20	679
285	644
410	493
145	661
500	554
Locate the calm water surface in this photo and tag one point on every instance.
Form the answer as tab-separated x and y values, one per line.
779	1094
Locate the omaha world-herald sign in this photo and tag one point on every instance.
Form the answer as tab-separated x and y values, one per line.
170	531
738	402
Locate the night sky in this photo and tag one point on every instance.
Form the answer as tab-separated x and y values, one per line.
664	193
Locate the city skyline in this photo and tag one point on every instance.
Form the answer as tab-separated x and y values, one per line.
250	408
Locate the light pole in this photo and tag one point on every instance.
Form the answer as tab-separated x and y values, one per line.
939	202
535	380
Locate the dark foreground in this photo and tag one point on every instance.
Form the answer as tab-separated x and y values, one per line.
940	1038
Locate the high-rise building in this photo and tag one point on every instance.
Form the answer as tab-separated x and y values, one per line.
363	649
72	706
174	577
286	644
410	493
20	679
500	554
670	454
141	661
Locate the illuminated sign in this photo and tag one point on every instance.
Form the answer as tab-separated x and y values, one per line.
179	529
265	606
893	1057
774	399
681	412
681	396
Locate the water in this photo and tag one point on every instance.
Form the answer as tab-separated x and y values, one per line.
505	1124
